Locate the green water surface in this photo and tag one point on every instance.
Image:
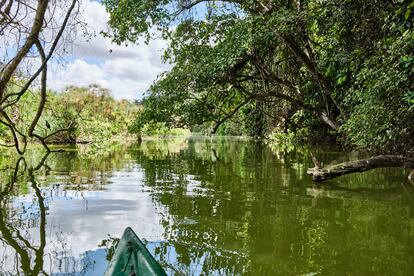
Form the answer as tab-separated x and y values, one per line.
203	206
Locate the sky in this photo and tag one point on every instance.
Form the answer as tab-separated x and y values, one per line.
126	71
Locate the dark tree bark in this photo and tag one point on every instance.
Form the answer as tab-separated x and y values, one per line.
380	161
22	52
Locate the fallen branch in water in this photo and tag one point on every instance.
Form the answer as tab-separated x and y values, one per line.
380	161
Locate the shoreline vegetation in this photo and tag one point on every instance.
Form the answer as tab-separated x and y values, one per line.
99	122
294	72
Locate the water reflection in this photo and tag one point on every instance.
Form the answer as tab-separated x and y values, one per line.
29	257
262	209
204	206
30	245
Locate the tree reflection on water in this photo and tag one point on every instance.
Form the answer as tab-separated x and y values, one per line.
23	225
28	255
231	207
203	206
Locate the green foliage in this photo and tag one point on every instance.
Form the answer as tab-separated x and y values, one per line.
98	117
322	69
288	138
409	98
135	17
179	132
156	129
380	100
160	129
253	119
90	115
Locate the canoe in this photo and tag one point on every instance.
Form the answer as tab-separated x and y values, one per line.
132	258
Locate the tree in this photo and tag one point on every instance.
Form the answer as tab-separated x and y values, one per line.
234	51
32	32
329	60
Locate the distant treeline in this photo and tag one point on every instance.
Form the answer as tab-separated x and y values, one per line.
84	115
79	115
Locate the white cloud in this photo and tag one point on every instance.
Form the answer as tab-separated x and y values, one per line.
133	69
81	72
126	71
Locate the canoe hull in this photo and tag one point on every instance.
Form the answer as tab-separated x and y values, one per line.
132	258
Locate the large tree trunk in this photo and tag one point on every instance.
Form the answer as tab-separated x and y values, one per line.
380	161
11	67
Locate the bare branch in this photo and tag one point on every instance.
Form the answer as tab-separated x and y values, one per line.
36	28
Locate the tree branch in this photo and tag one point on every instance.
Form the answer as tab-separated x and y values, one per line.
230	114
42	90
311	66
22	52
380	161
45	59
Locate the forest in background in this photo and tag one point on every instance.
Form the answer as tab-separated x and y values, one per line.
84	115
76	115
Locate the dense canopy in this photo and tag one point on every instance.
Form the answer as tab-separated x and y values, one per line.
341	69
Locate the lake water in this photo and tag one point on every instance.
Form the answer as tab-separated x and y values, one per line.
222	206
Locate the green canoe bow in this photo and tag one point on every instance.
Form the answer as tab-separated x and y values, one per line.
132	258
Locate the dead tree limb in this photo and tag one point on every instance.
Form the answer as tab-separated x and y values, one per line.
380	161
